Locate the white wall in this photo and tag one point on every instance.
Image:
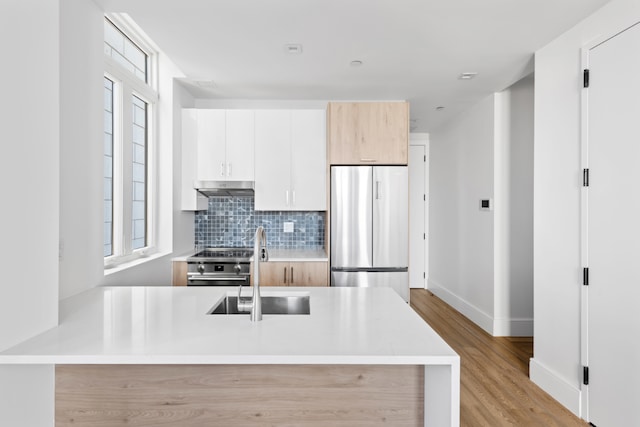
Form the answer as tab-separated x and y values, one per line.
513	210
29	169
81	146
183	222
556	365
481	262
461	236
29	184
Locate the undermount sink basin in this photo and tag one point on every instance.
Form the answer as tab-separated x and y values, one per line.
285	304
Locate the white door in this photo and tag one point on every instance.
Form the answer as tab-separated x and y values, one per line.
273	160
417	202
308	160
613	292
211	145
239	145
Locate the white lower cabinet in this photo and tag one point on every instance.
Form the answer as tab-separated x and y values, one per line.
290	160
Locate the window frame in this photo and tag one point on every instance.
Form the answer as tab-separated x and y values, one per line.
126	85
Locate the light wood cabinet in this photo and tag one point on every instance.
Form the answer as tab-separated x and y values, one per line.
179	273
368	133
290	169
294	273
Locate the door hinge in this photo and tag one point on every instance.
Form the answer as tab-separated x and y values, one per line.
424	275
585	375
424	197
585	276
585	78
424	236
585	177
425	158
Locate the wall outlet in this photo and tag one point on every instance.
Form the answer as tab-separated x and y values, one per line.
288	227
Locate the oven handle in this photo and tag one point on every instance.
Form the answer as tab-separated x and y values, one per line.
216	279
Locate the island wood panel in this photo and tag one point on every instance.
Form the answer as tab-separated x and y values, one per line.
179	273
368	133
246	395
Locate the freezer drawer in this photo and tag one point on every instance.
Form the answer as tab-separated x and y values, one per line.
399	281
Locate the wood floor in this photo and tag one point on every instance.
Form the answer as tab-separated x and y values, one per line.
495	386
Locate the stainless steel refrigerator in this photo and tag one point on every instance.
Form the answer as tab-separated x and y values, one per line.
369	227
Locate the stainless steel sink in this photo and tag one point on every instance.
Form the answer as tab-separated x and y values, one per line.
286	304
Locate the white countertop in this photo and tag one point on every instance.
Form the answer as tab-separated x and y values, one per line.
169	325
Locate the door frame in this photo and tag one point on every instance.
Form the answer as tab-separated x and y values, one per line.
584	216
422	139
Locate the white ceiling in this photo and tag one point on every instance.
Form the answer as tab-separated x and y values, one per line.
410	49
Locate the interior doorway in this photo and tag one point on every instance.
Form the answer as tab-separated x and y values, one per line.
418	210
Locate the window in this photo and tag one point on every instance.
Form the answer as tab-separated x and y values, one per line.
129	101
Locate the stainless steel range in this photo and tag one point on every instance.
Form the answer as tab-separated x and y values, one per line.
219	267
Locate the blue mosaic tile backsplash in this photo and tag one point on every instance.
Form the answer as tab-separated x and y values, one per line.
232	222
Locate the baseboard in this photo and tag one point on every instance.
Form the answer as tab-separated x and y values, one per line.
513	327
495	327
568	395
476	315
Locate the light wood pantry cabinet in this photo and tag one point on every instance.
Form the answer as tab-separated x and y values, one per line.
368	133
290	167
294	273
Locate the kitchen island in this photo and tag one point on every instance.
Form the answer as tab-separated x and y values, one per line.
153	355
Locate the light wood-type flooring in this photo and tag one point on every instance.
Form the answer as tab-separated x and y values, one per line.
495	389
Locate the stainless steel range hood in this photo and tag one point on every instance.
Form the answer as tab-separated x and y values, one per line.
225	188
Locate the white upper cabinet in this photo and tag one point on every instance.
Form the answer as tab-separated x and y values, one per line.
308	160
191	200
290	166
225	143
210	144
273	160
240	145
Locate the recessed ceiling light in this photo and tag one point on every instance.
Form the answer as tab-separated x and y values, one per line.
293	48
355	63
467	76
439	108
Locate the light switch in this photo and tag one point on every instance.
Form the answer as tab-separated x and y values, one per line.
288	227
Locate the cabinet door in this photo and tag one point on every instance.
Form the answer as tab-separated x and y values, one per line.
274	273
191	200
179	273
308	273
368	133
211	145
273	160
239	145
308	160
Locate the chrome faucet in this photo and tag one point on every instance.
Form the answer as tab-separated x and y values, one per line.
254	304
